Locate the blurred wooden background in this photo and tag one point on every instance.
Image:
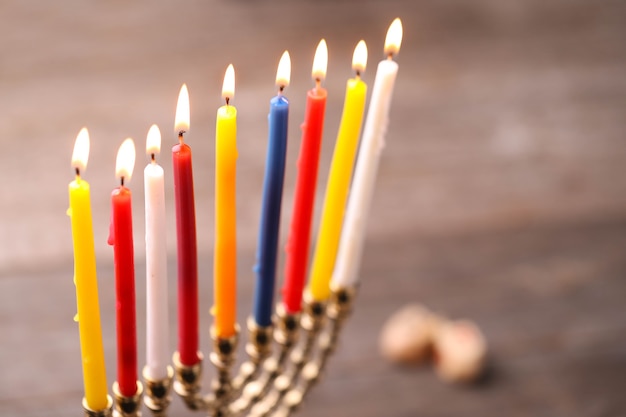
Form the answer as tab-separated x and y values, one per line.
501	195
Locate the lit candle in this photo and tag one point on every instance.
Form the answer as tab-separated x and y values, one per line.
121	237
85	279
185	238
351	243
267	251
308	162
225	250
339	179
157	327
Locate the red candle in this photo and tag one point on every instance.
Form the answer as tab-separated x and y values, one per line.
186	238
308	161
121	237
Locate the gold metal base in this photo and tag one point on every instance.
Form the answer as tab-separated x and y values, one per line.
127	406
222	358
107	412
158	392
187	381
267	383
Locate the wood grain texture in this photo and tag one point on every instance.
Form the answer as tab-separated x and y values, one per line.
501	195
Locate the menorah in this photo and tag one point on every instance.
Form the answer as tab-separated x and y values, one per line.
283	363
286	353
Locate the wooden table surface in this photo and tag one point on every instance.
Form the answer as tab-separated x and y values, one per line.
501	195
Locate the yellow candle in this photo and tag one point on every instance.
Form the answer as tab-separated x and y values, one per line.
339	179
94	372
225	256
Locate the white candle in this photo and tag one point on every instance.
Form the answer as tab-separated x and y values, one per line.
350	250
157	343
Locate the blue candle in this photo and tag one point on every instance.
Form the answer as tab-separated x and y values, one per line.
267	251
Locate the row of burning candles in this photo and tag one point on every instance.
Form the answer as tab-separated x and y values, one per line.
340	237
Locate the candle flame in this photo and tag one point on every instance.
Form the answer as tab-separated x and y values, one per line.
81	150
283	74
359	58
125	162
153	142
182	111
394	37
320	61
228	87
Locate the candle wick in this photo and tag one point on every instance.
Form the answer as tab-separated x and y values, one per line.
153	157
281	89
77	171
318	82
358	74
180	136
227	101
390	56
122	181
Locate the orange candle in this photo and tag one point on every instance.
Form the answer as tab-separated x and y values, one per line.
225	250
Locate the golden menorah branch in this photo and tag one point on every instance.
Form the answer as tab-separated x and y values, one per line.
283	362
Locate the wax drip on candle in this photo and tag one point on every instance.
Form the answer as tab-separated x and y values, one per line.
111	238
80	157
86	282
